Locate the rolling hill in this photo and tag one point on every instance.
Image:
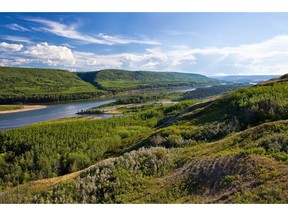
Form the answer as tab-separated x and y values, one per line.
229	149
34	85
30	85
122	80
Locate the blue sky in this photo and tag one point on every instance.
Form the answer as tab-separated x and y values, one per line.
205	43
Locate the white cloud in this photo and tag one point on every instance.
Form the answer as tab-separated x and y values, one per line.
17	27
14	61
266	57
70	31
17	39
260	58
151	59
50	54
10	47
118	40
151	65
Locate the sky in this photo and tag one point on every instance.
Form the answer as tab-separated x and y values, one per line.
212	44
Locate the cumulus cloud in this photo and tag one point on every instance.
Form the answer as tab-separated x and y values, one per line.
151	65
70	31
51	54
10	47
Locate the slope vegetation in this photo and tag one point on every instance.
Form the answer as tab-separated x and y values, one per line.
32	85
229	149
42	85
121	80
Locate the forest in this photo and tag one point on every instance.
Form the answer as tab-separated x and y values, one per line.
203	92
122	80
32	85
49	149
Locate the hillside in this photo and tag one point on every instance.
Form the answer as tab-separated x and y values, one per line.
122	80
229	149
32	85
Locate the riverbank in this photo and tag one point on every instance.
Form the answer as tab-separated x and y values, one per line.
23	109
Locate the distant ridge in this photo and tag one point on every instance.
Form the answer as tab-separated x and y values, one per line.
122	80
37	85
245	79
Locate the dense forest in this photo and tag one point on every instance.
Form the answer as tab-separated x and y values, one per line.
228	149
204	92
31	85
122	80
198	93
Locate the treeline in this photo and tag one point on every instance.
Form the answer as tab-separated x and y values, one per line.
90	111
203	92
145	97
47	98
262	103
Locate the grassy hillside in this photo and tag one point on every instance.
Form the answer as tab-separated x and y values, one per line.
229	149
121	80
42	85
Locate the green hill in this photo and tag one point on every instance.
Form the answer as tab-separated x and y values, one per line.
122	80
42	85
32	85
229	149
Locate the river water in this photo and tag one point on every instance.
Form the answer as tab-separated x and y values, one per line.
14	120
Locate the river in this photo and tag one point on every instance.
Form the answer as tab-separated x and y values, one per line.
19	119
14	120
